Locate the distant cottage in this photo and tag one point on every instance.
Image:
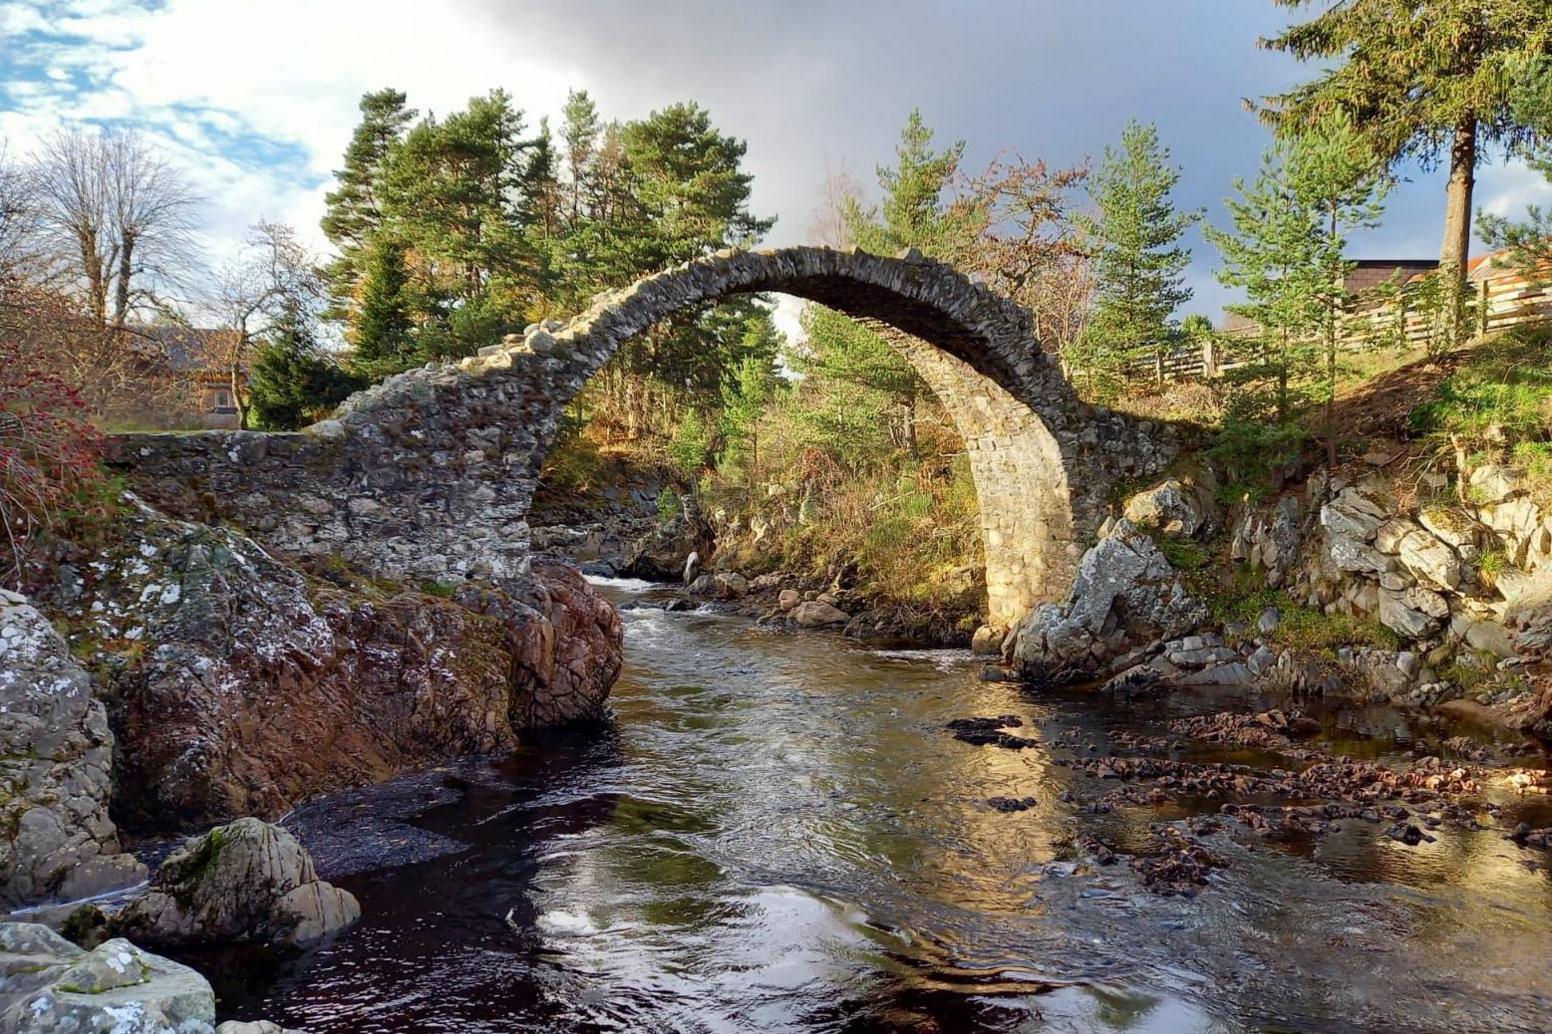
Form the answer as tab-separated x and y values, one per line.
196	363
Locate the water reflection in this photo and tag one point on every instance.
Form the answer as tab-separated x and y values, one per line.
775	833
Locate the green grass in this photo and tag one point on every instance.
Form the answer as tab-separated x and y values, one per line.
1498	402
1301	627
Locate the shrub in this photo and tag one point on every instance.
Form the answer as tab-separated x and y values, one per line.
49	457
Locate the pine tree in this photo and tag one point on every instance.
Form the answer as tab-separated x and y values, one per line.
381	332
580	134
355	208
1139	264
1287	251
1529	243
1420	79
916	211
750	389
293	383
1273	255
1337	174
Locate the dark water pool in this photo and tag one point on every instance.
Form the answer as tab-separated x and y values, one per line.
775	833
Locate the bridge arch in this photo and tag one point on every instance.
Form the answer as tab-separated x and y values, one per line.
431	473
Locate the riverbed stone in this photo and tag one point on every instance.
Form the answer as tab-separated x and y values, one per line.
246	882
818	614
57	840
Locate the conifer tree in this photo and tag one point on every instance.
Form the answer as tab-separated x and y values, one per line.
1139	263
1288	252
1529	242
1420	79
293	383
355	207
381	332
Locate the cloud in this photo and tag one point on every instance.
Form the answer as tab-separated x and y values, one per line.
257	101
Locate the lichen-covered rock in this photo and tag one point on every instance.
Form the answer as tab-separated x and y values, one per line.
1352	515
1126	595
247	882
56	761
1429	559
50	986
239	686
1270	542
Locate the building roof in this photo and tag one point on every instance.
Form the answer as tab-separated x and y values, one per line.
185	349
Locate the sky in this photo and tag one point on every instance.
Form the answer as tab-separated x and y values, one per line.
256	100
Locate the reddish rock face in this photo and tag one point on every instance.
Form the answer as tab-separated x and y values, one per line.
239	686
564	639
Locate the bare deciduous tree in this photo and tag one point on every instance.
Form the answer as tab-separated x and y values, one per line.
827	225
274	276
18	216
119	219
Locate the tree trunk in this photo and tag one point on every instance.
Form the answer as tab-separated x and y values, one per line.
239	399
121	285
1457	228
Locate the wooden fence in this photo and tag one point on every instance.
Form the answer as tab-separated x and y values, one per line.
1501	298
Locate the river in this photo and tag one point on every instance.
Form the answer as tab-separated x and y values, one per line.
776	832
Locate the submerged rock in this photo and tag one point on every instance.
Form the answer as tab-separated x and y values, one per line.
244	882
56	763
817	614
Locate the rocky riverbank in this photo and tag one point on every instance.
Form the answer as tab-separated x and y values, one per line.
1344	584
167	675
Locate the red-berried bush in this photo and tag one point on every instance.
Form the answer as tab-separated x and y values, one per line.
50	453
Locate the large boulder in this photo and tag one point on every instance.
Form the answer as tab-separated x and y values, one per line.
50	986
238	685
56	764
1126	595
1174	507
247	882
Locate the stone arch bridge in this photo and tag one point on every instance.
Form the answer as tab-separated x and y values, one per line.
430	474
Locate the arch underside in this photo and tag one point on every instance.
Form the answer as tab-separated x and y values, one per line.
1021	486
973	349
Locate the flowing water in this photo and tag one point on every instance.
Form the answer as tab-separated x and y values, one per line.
774	832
